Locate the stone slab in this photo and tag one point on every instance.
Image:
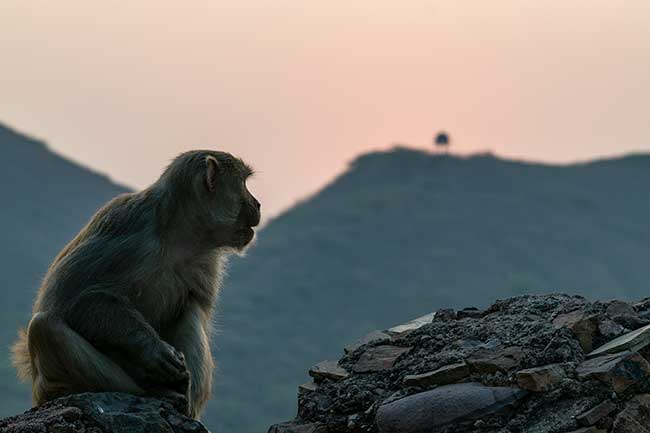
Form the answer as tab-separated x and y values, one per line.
328	370
413	324
425	411
595	414
540	379
633	341
379	358
442	376
618	370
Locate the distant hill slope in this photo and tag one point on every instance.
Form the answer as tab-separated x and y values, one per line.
402	233
46	199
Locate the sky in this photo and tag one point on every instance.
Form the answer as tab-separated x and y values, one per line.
298	88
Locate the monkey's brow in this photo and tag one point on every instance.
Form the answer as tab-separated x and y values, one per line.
248	170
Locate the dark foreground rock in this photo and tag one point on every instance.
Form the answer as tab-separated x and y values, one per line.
533	364
102	413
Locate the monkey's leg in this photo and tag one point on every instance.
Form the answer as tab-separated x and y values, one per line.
190	335
65	363
110	323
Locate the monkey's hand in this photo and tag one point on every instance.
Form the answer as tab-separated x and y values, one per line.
163	364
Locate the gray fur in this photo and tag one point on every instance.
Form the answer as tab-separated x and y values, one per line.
127	304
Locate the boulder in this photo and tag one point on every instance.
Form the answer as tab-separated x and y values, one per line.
583	325
422	412
102	413
442	376
619	370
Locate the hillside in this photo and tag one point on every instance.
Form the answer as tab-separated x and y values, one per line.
402	233
46	200
399	234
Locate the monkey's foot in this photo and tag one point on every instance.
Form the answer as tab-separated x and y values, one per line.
179	401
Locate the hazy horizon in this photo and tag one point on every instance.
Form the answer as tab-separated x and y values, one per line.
298	90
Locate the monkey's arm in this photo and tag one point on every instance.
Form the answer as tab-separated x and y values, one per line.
190	335
113	326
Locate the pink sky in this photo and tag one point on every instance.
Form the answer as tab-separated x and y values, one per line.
298	88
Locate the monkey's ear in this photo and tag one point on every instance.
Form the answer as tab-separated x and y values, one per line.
211	170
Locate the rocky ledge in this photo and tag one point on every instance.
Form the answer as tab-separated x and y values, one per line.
534	364
102	413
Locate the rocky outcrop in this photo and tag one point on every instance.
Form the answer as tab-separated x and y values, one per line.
537	364
102	413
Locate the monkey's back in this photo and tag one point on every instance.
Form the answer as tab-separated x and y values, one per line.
108	252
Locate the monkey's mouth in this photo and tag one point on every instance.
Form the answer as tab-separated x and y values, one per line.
245	234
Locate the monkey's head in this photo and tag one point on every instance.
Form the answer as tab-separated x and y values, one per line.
212	197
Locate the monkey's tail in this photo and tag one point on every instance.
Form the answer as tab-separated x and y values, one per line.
20	356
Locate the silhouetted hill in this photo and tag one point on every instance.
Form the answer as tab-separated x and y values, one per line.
403	233
46	199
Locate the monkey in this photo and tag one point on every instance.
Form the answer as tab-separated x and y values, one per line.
127	304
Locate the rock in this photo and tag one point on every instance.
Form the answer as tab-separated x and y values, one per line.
626	315
445	314
540	379
442	376
633	341
470	312
353	421
294	427
420	413
635	418
307	387
513	334
619	370
379	358
632	322
619	308
102	413
373	337
591	429
595	414
328	370
497	359
413	324
584	326
610	329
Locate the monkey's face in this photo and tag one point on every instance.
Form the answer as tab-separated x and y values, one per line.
234	211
